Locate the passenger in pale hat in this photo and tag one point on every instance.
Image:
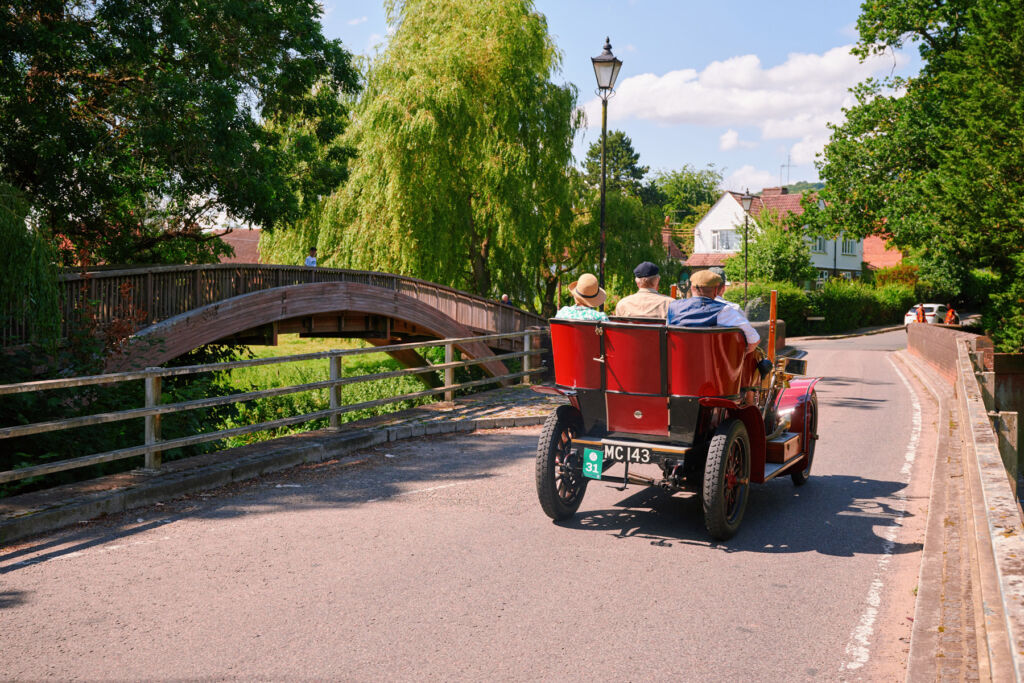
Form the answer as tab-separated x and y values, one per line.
588	295
647	302
706	308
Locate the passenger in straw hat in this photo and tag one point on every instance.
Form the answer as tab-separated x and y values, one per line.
588	295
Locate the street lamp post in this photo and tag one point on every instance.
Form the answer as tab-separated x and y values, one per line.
606	70
746	200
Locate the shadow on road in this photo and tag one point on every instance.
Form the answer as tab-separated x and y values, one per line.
11	598
832	515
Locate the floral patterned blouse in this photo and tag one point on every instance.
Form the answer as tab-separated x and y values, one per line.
578	312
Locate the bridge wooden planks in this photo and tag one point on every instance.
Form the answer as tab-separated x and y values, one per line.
143	296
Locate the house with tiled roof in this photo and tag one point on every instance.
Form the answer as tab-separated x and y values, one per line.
245	242
719	234
878	253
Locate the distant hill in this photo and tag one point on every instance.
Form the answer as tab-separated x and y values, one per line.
804	186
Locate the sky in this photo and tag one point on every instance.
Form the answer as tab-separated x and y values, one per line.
746	86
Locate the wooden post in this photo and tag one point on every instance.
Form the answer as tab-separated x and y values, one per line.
150	313
449	373
153	454
772	313
337	371
527	347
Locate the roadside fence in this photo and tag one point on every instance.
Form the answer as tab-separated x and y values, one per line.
153	410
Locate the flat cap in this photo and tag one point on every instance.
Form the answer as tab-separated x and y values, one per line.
646	269
705	278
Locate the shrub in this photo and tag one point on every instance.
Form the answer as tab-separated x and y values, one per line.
792	302
846	305
894	300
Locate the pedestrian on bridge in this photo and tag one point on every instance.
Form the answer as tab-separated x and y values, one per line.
311	259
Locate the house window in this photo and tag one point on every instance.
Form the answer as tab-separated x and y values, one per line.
818	245
849	247
724	240
824	274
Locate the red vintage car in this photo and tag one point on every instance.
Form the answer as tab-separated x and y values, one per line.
679	398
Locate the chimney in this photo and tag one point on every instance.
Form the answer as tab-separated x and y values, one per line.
774	191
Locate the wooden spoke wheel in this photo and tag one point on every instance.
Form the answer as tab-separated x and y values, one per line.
560	480
726	479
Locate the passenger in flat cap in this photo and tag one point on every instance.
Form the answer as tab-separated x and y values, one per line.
706	308
647	302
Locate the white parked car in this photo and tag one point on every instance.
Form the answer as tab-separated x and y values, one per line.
933	313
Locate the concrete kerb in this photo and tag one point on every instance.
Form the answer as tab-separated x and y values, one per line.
938	587
863	332
225	468
999	528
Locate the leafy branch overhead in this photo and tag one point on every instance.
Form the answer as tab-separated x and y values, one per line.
936	162
121	118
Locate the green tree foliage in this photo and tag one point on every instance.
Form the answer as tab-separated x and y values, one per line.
623	172
937	161
127	123
313	141
688	191
464	146
778	252
28	276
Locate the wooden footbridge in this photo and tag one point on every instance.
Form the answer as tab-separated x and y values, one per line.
173	309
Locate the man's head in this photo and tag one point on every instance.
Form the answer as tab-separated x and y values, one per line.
312	251
647	275
504	298
706	283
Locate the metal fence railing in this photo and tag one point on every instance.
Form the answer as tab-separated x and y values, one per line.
152	410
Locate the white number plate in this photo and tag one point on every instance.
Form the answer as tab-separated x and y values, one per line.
618	453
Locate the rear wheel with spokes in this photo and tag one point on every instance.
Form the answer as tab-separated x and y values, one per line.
726	479
560	480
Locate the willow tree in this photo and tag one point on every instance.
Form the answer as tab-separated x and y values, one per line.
463	147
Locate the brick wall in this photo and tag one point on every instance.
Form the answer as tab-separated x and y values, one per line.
936	345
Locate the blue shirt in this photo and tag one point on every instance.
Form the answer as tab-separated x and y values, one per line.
700	311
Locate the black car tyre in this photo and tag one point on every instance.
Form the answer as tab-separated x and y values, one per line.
560	480
801	476
726	479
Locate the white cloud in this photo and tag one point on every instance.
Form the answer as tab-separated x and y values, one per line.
356	21
730	139
794	99
749	177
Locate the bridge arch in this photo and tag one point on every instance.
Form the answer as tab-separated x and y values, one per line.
175	336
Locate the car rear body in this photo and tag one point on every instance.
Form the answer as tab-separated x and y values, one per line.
933	313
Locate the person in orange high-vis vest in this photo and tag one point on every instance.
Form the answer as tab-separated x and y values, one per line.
920	314
951	317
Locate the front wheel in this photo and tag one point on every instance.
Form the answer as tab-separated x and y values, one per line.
801	476
726	479
560	480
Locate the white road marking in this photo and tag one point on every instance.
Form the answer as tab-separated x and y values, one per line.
858	647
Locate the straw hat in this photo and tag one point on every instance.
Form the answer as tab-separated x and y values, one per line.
587	292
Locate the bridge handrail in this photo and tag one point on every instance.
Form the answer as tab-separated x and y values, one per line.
154	445
161	292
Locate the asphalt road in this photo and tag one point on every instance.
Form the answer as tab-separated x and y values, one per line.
434	561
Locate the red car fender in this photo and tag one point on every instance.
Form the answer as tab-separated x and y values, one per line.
751	418
794	398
